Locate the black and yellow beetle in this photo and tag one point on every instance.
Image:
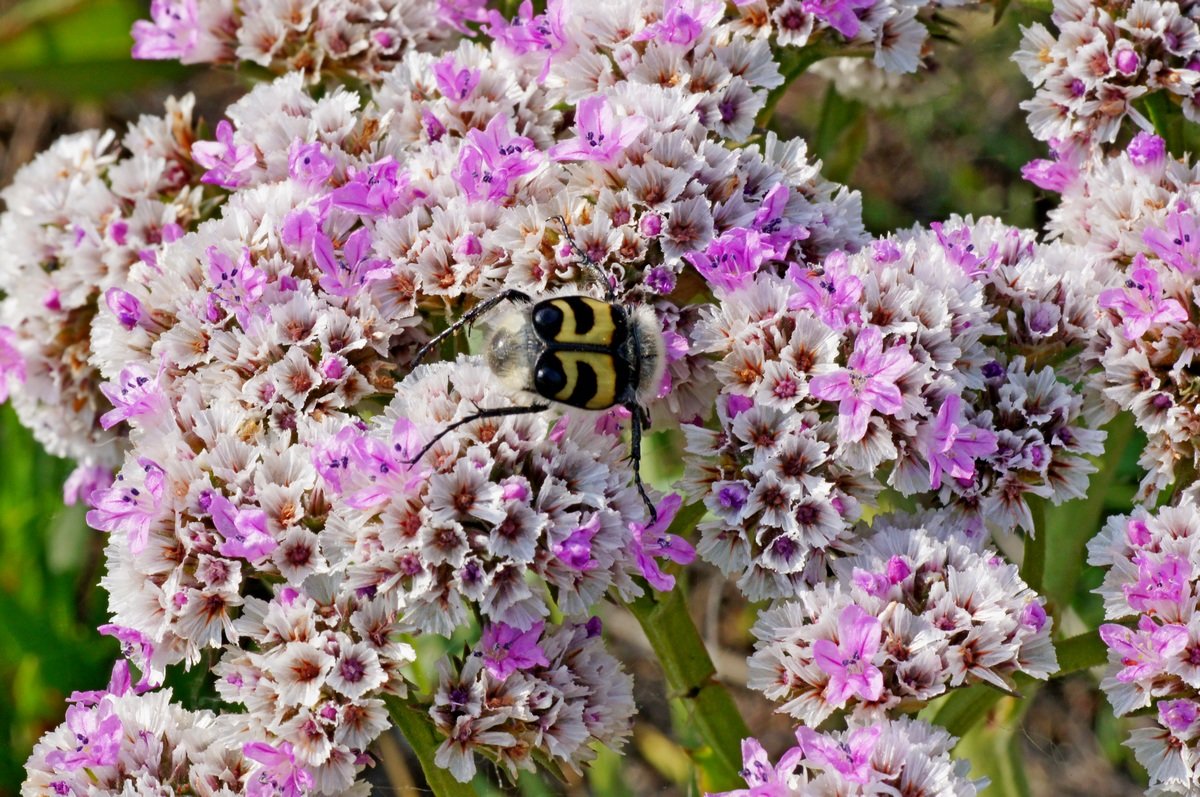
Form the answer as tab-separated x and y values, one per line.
572	349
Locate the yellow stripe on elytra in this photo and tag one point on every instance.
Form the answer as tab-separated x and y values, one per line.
605	394
603	327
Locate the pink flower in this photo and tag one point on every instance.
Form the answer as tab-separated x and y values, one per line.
1179	244
506	650
1178	716
848	663
370	471
776	232
375	190
245	530
952	445
528	33
732	259
456	13
838	14
653	542
12	364
238	287
492	159
599	134
850	758
576	550
960	249
868	383
125	306
454	83
98	733
135	394
173	33
1060	172
280	775
347	275
763	778
85	480
130	509
834	294
308	164
878	584
1158	582
1143	652
135	646
682	22
228	163
1140	303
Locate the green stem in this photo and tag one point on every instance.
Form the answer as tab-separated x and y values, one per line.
414	723
1033	563
692	678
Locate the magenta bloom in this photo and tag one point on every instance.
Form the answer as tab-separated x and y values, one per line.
653	542
1146	149
837	14
136	393
952	445
506	649
308	164
130	509
878	584
366	468
576	550
763	778
1178	716
848	663
135	646
960	249
600	135
85	480
527	33
173	33
1179	244
280	775
345	276
1057	173
374	190
1158	582
1143	652
12	364
769	221
227	161
1140	303
682	22
456	13
869	383
850	758
454	83
492	159
834	295
732	259
98	733
238	287
125	306
245	530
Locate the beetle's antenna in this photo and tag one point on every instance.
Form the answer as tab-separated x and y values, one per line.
468	318
585	259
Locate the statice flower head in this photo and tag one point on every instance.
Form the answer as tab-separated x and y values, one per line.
916	612
903	755
560	703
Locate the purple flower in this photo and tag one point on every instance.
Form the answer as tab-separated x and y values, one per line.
660	279
125	306
280	775
952	445
776	232
960	249
868	383
85	480
308	164
130	509
456	13
850	758
837	14
173	33
367	469
1140	303
732	259
346	276
136	646
652	542
1034	616
599	134
682	22
1179	244
238	287
454	83
834	294
764	779
136	393
374	190
1158	581
492	159
848	663
506	649
1146	149
12	364
527	33
878	584
576	550
1178	716
227	162
98	733
245	530
1143	653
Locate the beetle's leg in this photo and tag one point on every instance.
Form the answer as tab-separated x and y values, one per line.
635	455
497	412
475	312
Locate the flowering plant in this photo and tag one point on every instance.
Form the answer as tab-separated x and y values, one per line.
879	436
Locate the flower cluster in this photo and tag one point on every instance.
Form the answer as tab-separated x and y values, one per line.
897	34
125	741
917	611
1152	576
343	38
1103	58
552	692
78	219
890	756
889	356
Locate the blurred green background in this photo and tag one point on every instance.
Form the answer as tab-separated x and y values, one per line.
954	142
